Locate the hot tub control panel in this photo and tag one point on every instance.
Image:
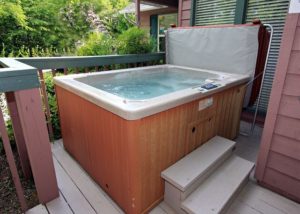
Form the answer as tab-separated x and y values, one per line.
209	86
203	104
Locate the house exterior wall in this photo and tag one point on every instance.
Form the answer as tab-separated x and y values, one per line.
184	12
279	158
145	16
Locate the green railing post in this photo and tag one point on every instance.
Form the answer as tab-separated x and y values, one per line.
240	11
154	26
193	12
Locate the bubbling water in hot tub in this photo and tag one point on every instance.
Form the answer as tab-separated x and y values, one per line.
136	85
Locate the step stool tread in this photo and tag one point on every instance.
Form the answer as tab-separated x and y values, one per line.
195	164
214	193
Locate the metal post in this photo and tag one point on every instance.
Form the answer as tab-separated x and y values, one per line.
263	78
262	83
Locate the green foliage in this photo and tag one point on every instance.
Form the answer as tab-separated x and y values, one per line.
135	41
131	41
30	28
74	15
117	23
36	24
36	52
96	44
12	11
56	27
52	104
8	123
51	24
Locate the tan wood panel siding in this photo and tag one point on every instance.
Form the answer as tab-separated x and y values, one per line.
127	157
166	137
284	164
286	146
73	133
229	111
96	138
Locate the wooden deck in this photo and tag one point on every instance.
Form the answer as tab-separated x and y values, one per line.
80	194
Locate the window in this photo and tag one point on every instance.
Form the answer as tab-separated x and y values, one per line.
164	22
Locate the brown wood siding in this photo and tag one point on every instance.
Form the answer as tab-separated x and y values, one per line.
279	158
184	14
294	67
286	146
284	164
283	184
290	106
127	157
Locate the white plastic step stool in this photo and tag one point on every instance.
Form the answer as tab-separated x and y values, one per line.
189	180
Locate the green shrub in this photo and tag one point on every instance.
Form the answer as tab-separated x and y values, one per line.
8	123
52	104
117	23
96	44
135	41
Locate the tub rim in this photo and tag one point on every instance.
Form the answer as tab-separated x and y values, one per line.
138	109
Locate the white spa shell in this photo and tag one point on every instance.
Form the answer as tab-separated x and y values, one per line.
137	109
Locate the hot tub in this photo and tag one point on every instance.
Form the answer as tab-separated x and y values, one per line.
125	127
136	93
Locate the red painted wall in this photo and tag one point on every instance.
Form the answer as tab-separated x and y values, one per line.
184	13
278	165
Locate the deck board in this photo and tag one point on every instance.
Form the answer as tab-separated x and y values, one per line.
39	209
239	207
256	199
158	210
80	194
59	206
72	194
97	198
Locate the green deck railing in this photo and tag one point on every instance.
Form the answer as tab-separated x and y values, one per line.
21	73
22	81
89	61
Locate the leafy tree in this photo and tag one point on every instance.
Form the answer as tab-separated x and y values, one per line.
46	27
135	41
96	44
117	23
31	24
12	17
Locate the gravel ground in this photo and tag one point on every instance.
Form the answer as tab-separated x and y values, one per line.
8	197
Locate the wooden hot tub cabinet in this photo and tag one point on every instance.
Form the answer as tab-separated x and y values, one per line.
126	157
